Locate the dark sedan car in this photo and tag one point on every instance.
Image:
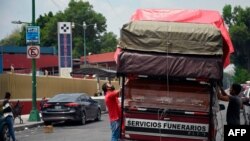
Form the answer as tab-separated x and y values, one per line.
4	135
71	107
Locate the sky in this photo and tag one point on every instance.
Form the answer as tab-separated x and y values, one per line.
117	12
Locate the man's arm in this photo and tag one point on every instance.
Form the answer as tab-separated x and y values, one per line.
245	100
114	93
221	94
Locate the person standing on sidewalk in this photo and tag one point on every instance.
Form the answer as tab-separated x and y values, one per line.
235	103
43	101
114	110
8	114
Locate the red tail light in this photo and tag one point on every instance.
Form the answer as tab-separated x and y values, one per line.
46	105
72	104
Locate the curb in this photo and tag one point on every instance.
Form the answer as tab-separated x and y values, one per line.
104	112
23	127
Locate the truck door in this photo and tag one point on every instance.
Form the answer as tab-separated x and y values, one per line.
160	110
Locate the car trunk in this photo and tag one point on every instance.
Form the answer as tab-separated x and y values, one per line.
58	107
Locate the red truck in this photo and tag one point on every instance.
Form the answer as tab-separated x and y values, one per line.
173	68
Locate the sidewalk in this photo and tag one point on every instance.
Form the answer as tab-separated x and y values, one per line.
26	123
30	124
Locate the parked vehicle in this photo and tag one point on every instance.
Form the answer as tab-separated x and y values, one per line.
71	107
246	106
156	109
4	135
247	92
173	66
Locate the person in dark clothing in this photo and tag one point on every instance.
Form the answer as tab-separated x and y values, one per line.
104	88
8	114
43	101
234	105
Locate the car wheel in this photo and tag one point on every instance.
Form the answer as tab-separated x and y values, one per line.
5	134
83	118
98	115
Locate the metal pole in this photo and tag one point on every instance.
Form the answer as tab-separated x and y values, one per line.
122	92
85	61
1	71
34	114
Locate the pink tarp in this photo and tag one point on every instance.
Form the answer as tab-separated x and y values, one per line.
189	16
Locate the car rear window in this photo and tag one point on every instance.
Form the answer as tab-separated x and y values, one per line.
64	98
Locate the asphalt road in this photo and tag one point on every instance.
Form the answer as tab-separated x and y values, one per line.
92	131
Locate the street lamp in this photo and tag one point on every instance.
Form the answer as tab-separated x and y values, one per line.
20	22
1	58
84	25
72	25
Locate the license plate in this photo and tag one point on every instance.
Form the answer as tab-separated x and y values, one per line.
58	107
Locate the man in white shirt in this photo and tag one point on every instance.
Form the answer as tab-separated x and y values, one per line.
7	113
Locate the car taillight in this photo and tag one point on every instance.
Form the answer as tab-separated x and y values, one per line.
73	104
46	105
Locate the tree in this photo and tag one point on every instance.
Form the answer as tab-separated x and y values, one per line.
238	21
241	76
77	12
108	42
13	39
43	20
227	15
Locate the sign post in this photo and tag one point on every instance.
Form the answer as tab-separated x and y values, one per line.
33	38
33	52
32	34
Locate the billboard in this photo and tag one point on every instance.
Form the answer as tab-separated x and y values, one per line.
65	48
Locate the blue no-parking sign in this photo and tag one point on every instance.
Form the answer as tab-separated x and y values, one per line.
33	35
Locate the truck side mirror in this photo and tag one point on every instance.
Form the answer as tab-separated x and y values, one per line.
222	107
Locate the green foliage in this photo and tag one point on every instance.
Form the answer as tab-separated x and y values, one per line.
108	42
78	47
238	21
43	20
241	75
227	14
77	13
13	39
